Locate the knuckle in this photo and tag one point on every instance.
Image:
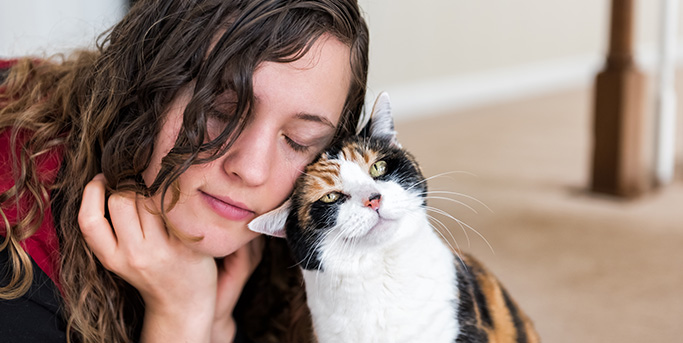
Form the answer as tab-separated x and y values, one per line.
87	221
119	201
108	264
137	263
90	185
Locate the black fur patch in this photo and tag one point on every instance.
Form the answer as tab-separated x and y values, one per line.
516	318
470	331
303	241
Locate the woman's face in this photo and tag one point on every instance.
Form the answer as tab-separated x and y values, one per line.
298	106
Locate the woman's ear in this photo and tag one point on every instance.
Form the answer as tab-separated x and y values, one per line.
272	223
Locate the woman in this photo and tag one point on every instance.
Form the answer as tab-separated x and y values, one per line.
196	116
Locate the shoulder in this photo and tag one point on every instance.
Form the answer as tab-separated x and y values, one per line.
34	317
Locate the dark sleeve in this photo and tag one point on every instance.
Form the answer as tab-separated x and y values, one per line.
34	317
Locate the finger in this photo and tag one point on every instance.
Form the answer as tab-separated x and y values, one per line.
124	217
153	227
94	226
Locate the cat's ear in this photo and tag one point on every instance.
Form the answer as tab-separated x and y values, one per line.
381	120
272	223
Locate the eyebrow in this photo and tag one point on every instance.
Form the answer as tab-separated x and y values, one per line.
309	117
315	118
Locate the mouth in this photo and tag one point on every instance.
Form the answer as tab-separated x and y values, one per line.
227	208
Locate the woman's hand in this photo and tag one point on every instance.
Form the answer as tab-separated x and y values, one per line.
177	284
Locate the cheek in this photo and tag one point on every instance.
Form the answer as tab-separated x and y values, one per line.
282	183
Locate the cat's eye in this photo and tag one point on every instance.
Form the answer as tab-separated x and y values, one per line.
330	197
378	169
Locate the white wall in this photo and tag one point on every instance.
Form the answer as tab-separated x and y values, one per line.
434	56
45	27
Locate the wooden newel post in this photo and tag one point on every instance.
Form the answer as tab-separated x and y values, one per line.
618	167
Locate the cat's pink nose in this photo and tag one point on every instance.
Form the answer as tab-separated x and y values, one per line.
373	201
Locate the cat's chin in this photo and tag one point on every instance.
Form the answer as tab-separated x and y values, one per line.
384	226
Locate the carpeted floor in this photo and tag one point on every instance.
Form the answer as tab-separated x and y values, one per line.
586	268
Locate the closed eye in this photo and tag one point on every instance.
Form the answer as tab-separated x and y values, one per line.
296	146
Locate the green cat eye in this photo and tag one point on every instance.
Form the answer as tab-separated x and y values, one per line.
378	169
330	197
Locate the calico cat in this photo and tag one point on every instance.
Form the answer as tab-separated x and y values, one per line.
374	269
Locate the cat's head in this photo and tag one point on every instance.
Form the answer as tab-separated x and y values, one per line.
359	195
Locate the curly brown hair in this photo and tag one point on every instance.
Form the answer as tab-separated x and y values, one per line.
105	108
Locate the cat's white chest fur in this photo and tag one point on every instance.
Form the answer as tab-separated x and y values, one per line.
406	293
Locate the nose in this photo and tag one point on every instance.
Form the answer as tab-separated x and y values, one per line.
373	201
250	157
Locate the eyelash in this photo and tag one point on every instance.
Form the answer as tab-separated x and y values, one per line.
296	146
219	115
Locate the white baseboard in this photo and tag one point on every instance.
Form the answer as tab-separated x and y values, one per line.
450	94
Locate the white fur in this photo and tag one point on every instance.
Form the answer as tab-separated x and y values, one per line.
403	293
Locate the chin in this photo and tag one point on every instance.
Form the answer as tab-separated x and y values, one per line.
221	245
206	247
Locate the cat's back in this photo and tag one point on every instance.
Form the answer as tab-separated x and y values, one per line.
486	311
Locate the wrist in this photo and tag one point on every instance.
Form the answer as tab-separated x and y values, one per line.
177	323
171	328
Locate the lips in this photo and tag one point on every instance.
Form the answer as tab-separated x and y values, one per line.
227	208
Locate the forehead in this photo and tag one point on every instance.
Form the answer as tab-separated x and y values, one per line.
317	83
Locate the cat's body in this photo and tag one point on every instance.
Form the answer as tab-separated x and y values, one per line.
374	269
405	293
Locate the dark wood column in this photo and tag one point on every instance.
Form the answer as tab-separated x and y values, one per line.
618	167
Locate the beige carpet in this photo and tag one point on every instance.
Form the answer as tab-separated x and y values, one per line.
586	268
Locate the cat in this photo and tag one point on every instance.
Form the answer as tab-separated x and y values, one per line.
373	267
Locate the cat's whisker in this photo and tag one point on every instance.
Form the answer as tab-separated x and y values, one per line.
446	214
439	211
462	262
440	175
330	245
458	251
459	194
333	243
309	256
453	200
457	246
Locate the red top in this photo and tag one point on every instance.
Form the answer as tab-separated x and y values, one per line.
6	64
43	246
